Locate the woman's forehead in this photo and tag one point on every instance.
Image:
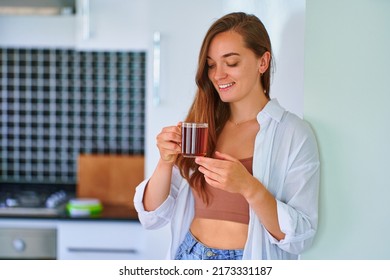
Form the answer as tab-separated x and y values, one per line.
226	44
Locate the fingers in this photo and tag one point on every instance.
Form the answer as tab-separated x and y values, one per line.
211	177
169	145
221	161
213	183
223	172
214	170
168	142
170	133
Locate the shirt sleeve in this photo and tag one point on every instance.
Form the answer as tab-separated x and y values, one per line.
162	215
298	206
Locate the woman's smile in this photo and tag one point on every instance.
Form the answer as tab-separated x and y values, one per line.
225	86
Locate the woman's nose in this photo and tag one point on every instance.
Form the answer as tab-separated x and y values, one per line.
219	73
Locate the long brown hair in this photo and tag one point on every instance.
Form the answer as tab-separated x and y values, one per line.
207	107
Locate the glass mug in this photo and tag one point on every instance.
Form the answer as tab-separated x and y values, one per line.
194	139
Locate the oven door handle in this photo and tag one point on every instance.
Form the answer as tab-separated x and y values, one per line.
102	250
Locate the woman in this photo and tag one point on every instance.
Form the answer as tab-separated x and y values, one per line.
255	194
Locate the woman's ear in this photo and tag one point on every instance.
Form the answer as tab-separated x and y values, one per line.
264	62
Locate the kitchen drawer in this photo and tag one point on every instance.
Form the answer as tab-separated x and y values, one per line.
28	243
107	240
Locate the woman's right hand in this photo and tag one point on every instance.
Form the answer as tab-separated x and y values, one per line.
158	187
169	143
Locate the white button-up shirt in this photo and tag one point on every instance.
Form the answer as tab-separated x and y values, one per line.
286	162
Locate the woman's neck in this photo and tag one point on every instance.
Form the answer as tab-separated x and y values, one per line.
246	110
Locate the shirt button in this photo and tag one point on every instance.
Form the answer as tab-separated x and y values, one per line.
209	253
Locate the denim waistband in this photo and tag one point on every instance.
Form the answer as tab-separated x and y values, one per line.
194	246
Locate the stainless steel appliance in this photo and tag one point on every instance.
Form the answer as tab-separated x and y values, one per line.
26	200
28	243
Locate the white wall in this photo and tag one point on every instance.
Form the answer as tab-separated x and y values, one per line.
285	23
347	97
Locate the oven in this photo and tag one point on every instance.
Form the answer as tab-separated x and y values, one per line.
28	243
19	202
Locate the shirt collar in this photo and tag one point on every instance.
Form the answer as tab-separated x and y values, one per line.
271	110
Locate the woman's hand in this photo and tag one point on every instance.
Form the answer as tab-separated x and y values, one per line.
225	172
168	143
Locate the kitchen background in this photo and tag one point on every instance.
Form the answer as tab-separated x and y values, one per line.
105	79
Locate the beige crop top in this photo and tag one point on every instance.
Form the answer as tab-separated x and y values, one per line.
224	205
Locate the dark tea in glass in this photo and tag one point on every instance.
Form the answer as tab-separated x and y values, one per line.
194	139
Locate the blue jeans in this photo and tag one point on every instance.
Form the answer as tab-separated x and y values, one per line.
192	249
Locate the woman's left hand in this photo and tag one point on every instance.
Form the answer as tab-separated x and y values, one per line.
225	172
229	174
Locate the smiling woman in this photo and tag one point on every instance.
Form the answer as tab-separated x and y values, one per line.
255	193
236	73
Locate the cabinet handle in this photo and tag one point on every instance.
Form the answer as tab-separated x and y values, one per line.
156	67
103	250
85	19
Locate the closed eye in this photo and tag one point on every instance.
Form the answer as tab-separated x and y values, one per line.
232	64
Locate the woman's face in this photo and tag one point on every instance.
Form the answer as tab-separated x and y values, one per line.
233	69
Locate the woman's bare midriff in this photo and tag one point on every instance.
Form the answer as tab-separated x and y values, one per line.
220	234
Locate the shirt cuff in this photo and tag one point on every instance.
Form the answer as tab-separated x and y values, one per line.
297	230
156	218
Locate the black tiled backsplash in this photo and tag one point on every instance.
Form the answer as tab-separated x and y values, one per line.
59	103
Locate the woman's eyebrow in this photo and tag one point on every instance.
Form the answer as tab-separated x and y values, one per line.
226	55
230	54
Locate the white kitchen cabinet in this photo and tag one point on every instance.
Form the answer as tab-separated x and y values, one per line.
112	24
38	31
108	240
104	25
85	239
